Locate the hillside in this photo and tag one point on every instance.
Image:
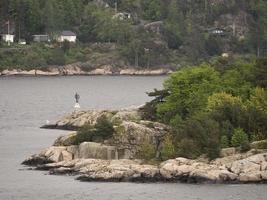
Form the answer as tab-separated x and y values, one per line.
133	33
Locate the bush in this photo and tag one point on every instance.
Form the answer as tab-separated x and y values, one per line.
240	139
147	151
168	150
198	135
102	130
259	144
188	148
85	134
224	141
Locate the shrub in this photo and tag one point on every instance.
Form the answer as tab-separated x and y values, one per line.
85	134
257	137
240	139
102	130
147	151
168	149
224	141
259	144
188	148
198	135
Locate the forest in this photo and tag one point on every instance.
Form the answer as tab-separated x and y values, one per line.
169	33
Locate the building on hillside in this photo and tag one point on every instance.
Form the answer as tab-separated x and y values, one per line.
8	38
41	38
22	41
67	36
216	31
7	31
122	16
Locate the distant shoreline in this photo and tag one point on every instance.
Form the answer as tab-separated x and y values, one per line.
74	70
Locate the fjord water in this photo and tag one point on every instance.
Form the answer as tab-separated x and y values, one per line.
27	102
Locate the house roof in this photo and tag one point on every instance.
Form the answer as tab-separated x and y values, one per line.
67	33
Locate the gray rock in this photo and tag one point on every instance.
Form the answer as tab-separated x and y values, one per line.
66	140
228	152
97	151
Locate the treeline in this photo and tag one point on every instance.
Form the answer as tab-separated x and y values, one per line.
183	37
212	106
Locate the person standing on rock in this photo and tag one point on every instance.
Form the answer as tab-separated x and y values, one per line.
77	98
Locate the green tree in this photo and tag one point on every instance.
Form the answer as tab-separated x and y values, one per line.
240	139
174	26
152	9
189	91
198	135
260	73
224	141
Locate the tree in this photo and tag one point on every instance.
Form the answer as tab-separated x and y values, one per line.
174	26
260	73
51	20
33	17
240	139
224	141
258	32
189	91
152	9
198	135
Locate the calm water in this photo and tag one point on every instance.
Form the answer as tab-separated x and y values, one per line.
26	103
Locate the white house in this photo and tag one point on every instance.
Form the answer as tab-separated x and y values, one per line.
41	38
68	36
8	38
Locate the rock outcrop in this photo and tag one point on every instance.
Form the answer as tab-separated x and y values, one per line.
77	119
252	169
131	133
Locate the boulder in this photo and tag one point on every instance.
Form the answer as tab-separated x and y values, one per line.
104	70
172	169
67	156
228	152
54	153
244	166
126	115
74	150
66	140
130	137
97	151
259	144
250	177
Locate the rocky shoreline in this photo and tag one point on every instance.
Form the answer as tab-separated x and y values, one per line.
238	168
77	70
116	159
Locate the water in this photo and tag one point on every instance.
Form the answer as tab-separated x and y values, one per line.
27	102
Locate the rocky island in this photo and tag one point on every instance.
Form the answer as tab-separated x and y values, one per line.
119	157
